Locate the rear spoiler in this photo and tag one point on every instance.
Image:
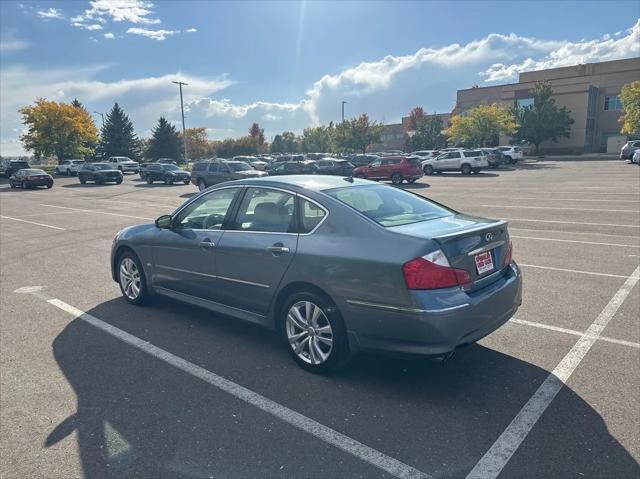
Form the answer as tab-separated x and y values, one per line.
481	227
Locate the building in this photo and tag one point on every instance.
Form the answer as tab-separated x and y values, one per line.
392	138
591	93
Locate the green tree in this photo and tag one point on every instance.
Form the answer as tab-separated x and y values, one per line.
257	134
318	139
245	145
118	137
356	134
198	145
482	125
544	120
428	135
165	141
277	145
630	96
58	129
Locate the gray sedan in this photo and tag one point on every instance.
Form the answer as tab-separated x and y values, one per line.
334	265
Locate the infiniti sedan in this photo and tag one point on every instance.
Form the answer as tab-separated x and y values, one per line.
334	265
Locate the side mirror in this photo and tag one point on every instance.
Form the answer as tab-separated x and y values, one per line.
164	222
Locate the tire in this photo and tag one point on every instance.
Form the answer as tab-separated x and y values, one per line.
396	178
168	181
320	357
149	181
428	170
361	176
131	278
509	160
465	169
12	184
121	170
186	182
82	181
49	186
119	181
412	180
68	172
201	184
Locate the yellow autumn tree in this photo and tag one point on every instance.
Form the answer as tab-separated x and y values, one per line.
58	129
482	125
630	96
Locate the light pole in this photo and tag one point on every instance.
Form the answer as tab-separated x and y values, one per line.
101	115
343	102
184	133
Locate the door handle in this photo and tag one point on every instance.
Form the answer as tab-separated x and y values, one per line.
278	249
207	244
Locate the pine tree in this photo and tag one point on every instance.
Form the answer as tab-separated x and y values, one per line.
77	104
118	138
165	141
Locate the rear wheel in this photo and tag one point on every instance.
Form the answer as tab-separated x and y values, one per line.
149	180
131	278
428	170
315	332
396	178
508	159
465	169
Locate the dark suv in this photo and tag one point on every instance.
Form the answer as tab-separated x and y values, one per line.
209	172
9	167
166	172
394	168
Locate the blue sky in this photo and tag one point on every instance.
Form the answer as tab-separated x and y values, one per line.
287	65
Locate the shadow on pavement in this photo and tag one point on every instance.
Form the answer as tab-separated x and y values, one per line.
140	417
456	174
189	195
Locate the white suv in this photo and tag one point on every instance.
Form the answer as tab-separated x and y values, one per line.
69	167
511	153
464	161
124	164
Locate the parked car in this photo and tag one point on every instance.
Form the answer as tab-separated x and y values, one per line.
363	160
9	167
395	273
495	157
334	166
307	167
124	164
169	173
394	168
210	172
511	154
464	161
636	157
69	167
166	161
30	178
99	173
317	156
142	171
627	150
425	154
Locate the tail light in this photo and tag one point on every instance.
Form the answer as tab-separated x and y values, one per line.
433	271
508	256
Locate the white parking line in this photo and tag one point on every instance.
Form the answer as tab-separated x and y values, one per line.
635	202
365	453
571	222
509	441
593	273
559	208
589	233
33	223
98	212
575	241
573	332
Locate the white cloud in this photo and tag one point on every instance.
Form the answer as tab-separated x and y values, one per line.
50	13
191	30
570	53
152	34
10	43
132	11
109	36
90	27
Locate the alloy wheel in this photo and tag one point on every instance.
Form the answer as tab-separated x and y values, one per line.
309	332
130	278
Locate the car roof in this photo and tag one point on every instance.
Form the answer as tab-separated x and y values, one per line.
306	182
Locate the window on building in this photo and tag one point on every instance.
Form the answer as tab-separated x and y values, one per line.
612	102
524	102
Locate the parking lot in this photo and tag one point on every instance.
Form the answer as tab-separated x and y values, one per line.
92	386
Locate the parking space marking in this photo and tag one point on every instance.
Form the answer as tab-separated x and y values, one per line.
575	199
576	241
330	436
98	212
33	223
571	222
587	233
565	270
499	454
560	208
573	332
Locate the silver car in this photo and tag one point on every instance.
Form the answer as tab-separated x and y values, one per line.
334	265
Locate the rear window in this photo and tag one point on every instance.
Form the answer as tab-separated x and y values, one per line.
471	154
388	206
199	166
414	161
19	164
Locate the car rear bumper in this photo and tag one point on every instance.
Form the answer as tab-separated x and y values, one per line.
438	322
126	168
39	182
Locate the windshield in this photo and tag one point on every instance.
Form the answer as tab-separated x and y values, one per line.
34	172
388	206
102	166
170	167
239	166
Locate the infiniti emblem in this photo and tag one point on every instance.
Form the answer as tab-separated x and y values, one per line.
488	236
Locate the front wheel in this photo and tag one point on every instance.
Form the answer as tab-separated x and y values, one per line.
119	181
508	159
131	278
201	184
466	170
186	182
82	181
315	332
428	170
149	181
396	179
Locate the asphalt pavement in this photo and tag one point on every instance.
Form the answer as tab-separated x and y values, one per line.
91	386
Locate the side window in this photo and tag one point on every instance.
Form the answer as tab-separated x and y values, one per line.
454	154
213	167
265	210
224	168
207	212
376	163
312	215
